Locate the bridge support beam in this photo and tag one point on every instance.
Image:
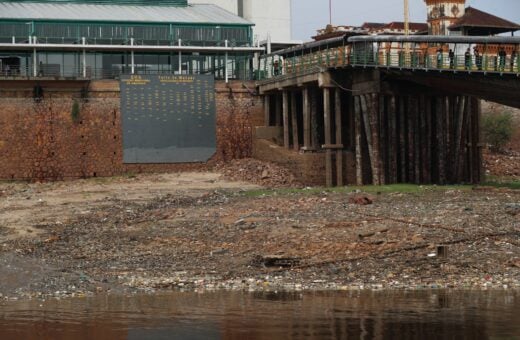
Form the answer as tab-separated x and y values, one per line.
306	119
294	121
380	131
338	112
267	110
285	110
415	138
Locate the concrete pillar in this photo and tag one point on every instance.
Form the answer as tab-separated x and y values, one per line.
267	110
35	63
328	137
278	109
314	120
339	137
226	64
180	57
84	59
306	120
132	57
294	121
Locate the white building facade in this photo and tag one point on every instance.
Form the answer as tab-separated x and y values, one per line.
272	18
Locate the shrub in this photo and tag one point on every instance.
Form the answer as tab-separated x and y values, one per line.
497	130
75	111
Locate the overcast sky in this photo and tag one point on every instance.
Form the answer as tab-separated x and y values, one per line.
309	15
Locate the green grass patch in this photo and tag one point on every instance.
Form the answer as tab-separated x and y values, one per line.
371	189
502	182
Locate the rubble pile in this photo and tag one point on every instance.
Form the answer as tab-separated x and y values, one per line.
262	173
506	164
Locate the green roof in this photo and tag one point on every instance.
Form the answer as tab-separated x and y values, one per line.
111	2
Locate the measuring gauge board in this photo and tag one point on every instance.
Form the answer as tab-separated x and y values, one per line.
168	118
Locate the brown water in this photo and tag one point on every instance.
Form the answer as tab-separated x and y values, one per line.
330	315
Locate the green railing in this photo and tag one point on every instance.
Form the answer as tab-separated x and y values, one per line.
450	57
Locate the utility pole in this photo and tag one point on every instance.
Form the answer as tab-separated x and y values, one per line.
406	18
330	12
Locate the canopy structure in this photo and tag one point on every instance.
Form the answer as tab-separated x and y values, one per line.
479	23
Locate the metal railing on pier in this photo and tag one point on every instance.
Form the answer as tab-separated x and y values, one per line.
499	55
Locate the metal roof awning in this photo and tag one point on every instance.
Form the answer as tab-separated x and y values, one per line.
311	45
192	14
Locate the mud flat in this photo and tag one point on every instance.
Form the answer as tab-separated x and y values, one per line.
197	231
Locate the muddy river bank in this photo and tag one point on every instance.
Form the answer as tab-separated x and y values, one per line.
198	232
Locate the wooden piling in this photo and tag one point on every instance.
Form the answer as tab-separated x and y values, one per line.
365	112
392	140
477	157
469	143
423	138
461	122
339	138
429	140
373	115
411	140
402	140
441	148
285	110
357	133
382	128
417	139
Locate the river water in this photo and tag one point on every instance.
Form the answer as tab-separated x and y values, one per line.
318	315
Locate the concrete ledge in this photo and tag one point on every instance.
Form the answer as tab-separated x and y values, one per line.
268	132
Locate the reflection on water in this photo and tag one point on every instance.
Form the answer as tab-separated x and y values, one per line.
336	315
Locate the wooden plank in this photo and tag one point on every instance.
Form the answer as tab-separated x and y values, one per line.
357	134
267	110
339	138
294	122
328	137
285	110
306	119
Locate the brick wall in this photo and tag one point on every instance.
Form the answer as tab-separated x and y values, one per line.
42	141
